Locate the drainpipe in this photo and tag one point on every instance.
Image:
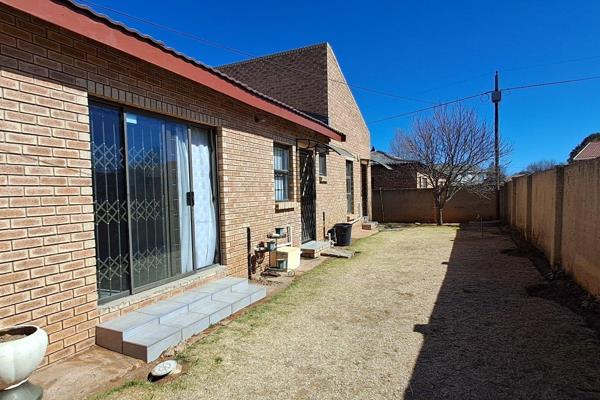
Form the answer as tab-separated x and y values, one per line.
249	249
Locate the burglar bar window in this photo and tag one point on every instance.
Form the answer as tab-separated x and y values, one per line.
281	164
349	187
322	164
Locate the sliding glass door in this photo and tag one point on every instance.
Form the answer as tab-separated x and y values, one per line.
110	199
148	206
156	213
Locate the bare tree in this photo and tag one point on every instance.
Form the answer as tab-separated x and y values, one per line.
539	166
453	148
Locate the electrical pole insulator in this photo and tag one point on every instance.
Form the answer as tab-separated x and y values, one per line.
496	96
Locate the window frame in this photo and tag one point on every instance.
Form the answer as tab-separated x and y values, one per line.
349	187
286	173
123	110
323	164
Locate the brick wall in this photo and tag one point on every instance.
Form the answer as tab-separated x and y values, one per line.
416	205
47	256
296	77
311	80
557	211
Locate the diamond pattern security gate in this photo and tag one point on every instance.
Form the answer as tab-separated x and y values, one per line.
112	247
151	226
307	196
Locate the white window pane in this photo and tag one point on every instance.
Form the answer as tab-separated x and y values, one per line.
281	158
281	187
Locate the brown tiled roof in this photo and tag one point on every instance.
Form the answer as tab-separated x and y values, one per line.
88	12
591	150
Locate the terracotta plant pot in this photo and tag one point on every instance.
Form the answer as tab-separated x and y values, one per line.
20	357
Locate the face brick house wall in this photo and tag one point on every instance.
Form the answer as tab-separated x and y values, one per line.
47	246
311	80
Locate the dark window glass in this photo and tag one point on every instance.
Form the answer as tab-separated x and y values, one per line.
147	157
150	223
110	201
322	164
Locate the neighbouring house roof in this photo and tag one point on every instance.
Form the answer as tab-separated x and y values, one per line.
387	160
591	150
84	21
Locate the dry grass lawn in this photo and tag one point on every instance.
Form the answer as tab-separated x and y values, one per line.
421	313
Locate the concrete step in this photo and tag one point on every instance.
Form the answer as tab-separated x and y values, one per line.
190	323
164	309
217	310
237	300
256	292
338	252
192	298
111	334
214	288
370	225
314	248
235	283
148	331
148	345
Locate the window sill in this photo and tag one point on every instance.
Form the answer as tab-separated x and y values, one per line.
322	179
285	205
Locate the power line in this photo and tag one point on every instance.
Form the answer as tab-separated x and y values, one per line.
250	55
430	108
508	89
363	88
512	69
534	85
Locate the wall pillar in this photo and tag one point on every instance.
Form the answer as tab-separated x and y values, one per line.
558	216
513	212
529	224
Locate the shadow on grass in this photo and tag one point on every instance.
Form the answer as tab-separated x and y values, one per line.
486	338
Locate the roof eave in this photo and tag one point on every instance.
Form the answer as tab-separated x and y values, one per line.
65	16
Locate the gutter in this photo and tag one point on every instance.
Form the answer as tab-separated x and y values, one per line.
85	22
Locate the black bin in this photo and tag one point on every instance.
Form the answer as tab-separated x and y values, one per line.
343	234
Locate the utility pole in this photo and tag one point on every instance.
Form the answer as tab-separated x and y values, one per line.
496	97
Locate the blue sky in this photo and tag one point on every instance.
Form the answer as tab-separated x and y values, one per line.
429	50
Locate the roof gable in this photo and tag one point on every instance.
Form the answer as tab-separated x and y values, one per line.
297	77
311	80
591	150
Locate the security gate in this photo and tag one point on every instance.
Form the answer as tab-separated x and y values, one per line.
307	196
154	197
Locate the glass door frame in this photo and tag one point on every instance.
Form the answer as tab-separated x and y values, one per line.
212	134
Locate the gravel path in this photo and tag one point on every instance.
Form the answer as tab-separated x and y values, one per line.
421	313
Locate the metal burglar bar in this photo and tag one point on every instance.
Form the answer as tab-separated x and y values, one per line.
146	231
307	196
281	164
110	202
350	187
